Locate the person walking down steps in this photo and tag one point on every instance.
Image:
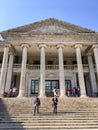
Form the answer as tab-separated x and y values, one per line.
36	105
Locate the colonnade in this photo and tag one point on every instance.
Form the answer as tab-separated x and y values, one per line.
5	79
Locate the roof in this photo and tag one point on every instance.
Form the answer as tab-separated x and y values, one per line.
48	26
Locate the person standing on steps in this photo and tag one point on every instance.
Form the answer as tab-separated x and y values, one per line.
54	103
36	105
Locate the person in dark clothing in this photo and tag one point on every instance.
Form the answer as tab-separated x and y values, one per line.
54	103
36	105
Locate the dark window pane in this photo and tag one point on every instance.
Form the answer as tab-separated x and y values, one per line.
74	62
36	62
50	62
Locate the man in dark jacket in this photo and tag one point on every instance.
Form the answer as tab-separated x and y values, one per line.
36	105
54	102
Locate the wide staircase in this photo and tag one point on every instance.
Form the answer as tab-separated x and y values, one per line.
73	114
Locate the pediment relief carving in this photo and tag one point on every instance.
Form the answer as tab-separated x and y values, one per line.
50	75
51	29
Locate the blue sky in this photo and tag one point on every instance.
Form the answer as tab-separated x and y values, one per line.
15	13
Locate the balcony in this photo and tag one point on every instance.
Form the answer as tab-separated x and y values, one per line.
17	67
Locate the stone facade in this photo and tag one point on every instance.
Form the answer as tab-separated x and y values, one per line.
49	54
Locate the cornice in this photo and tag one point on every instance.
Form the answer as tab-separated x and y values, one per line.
20	35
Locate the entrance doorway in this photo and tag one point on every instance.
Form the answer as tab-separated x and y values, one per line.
50	85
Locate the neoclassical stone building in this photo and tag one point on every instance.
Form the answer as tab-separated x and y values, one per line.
38	57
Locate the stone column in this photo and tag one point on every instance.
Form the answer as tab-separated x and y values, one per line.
42	70
95	49
22	88
80	70
9	73
61	70
4	70
92	75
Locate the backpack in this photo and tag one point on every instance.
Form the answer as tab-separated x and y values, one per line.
38	100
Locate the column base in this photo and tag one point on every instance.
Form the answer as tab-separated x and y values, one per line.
21	96
41	96
83	96
63	96
1	95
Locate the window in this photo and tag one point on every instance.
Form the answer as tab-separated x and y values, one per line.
68	84
36	62
74	62
64	62
34	87
51	84
50	62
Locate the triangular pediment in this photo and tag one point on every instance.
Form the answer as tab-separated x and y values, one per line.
50	26
50	29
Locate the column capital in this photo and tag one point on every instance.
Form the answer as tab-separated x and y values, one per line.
95	46
7	45
60	46
25	45
42	45
78	45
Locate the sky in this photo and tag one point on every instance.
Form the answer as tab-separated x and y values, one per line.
15	13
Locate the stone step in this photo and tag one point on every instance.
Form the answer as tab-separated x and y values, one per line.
45	109
48	121
78	101
50	124
73	114
83	127
49	129
50	108
41	119
67	116
31	119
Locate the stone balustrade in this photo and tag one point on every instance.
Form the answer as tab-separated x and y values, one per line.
52	67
